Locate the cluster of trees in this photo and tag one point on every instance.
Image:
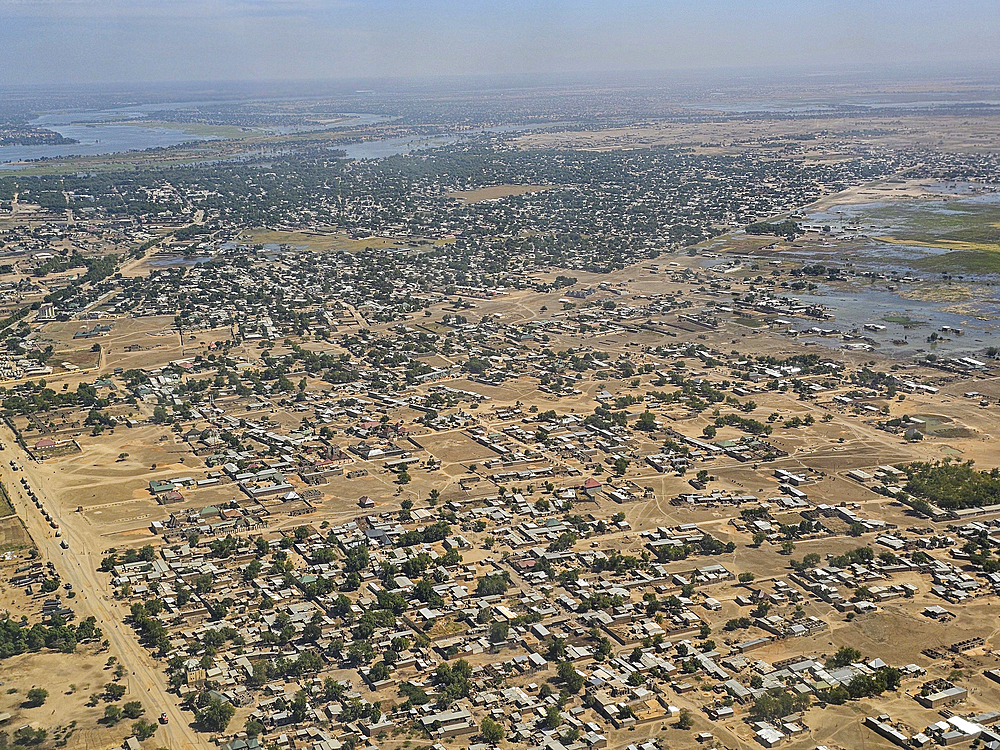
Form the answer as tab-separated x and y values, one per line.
751	426
858	555
980	551
952	485
786	228
452	682
18	638
145	553
152	633
30	398
769	707
212	713
430	534
619	563
739	623
493	584
863	686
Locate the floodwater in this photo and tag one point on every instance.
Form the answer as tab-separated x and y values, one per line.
103	132
857	303
409	144
855	306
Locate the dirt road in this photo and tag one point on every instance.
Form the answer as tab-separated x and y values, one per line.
78	566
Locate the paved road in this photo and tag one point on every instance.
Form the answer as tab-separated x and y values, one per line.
78	566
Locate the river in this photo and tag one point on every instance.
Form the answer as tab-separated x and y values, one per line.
104	132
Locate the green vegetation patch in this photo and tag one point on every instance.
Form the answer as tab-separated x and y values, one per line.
954	220
938	425
961	261
952	486
904	320
17	638
787	229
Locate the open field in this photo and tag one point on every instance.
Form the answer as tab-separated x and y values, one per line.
962	261
811	139
497	192
195	128
65	714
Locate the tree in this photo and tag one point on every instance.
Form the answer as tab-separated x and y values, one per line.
787	547
745	577
684	720
36	697
216	714
572	678
379	672
112	715
491	585
499	631
759	538
552	717
491	731
621	465
647	421
133	709
143	729
844	656
28	736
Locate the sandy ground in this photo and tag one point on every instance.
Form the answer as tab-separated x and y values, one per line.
829	138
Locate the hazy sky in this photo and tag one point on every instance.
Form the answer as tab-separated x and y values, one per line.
44	41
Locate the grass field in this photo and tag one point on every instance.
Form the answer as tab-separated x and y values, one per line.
195	128
962	261
904	320
954	220
971	231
